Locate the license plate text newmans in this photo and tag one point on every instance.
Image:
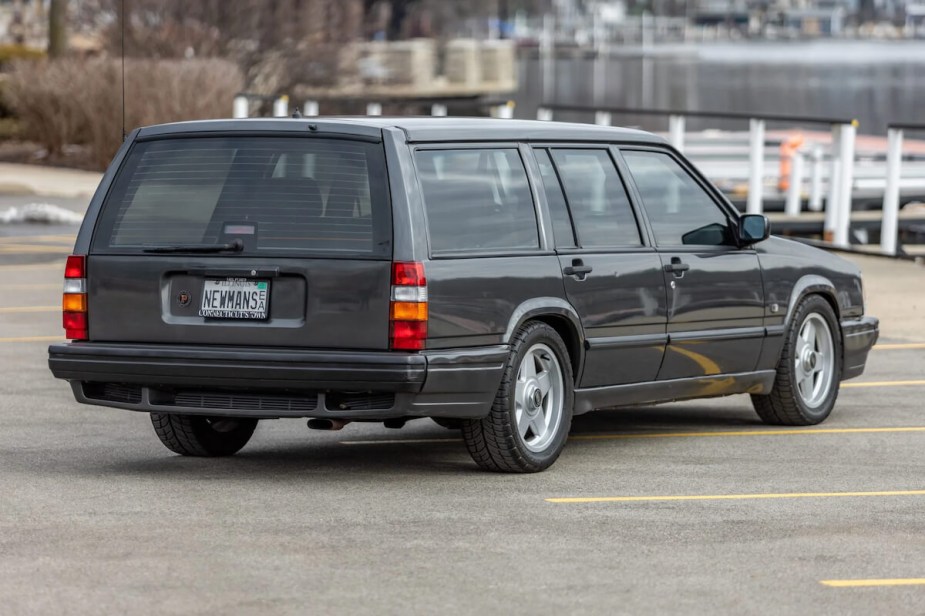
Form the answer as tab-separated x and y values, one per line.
235	298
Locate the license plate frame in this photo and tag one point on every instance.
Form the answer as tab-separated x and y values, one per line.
236	299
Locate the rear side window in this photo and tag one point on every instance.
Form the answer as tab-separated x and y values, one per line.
477	200
597	198
276	194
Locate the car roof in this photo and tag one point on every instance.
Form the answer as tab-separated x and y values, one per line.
417	129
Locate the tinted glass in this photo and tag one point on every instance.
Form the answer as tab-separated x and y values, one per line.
597	199
277	194
558	210
680	210
477	200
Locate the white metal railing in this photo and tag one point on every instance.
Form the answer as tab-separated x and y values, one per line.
836	204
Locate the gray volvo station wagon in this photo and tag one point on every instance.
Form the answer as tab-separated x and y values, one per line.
497	276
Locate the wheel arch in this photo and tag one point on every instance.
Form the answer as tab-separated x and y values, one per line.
561	316
812	285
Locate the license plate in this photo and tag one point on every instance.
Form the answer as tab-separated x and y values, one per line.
235	298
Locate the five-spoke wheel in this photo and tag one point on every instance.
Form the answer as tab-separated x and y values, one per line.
532	413
809	371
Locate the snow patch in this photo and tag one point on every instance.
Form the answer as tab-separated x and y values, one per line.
47	213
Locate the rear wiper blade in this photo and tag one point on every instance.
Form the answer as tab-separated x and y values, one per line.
234	246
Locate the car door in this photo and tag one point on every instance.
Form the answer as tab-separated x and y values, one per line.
715	292
611	276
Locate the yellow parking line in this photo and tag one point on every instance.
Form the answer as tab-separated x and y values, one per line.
595	437
650	435
56	265
16	309
705	497
33	339
884	582
403	441
883	384
33	249
32	285
899	346
38	238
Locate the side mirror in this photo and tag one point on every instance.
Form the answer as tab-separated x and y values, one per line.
753	228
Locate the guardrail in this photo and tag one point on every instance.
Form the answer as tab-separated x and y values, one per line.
841	175
241	106
837	209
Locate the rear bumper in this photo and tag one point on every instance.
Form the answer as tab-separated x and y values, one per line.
281	382
858	337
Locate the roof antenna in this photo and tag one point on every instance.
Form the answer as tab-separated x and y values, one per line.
123	70
296	114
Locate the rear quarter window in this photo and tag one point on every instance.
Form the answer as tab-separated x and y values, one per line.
282	194
477	200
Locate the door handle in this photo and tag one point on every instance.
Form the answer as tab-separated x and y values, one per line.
578	269
677	267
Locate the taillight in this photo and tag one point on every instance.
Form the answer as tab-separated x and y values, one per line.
74	300
408	308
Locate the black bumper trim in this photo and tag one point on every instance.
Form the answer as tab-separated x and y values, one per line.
444	383
858	337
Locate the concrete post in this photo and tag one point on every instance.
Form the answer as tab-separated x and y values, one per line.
438	111
505	111
544	114
831	202
815	184
793	205
755	167
281	107
240	108
889	226
373	109
846	184
602	118
310	109
548	54
676	132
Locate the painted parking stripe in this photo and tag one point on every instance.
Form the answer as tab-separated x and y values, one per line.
651	435
899	346
792	432
26	267
33	339
868	583
718	497
27	286
883	384
19	309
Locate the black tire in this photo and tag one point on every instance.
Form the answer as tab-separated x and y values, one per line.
784	405
194	435
448	422
494	442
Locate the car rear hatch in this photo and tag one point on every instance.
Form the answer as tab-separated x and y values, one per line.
244	240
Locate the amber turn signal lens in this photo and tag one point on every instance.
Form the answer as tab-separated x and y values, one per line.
74	302
409	311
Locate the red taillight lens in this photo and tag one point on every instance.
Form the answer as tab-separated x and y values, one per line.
408	309
74	300
408	275
76	267
75	325
408	335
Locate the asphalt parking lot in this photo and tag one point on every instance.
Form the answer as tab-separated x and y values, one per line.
681	508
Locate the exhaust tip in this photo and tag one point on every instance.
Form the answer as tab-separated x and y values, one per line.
321	423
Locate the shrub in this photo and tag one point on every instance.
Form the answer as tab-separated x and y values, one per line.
10	53
80	101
